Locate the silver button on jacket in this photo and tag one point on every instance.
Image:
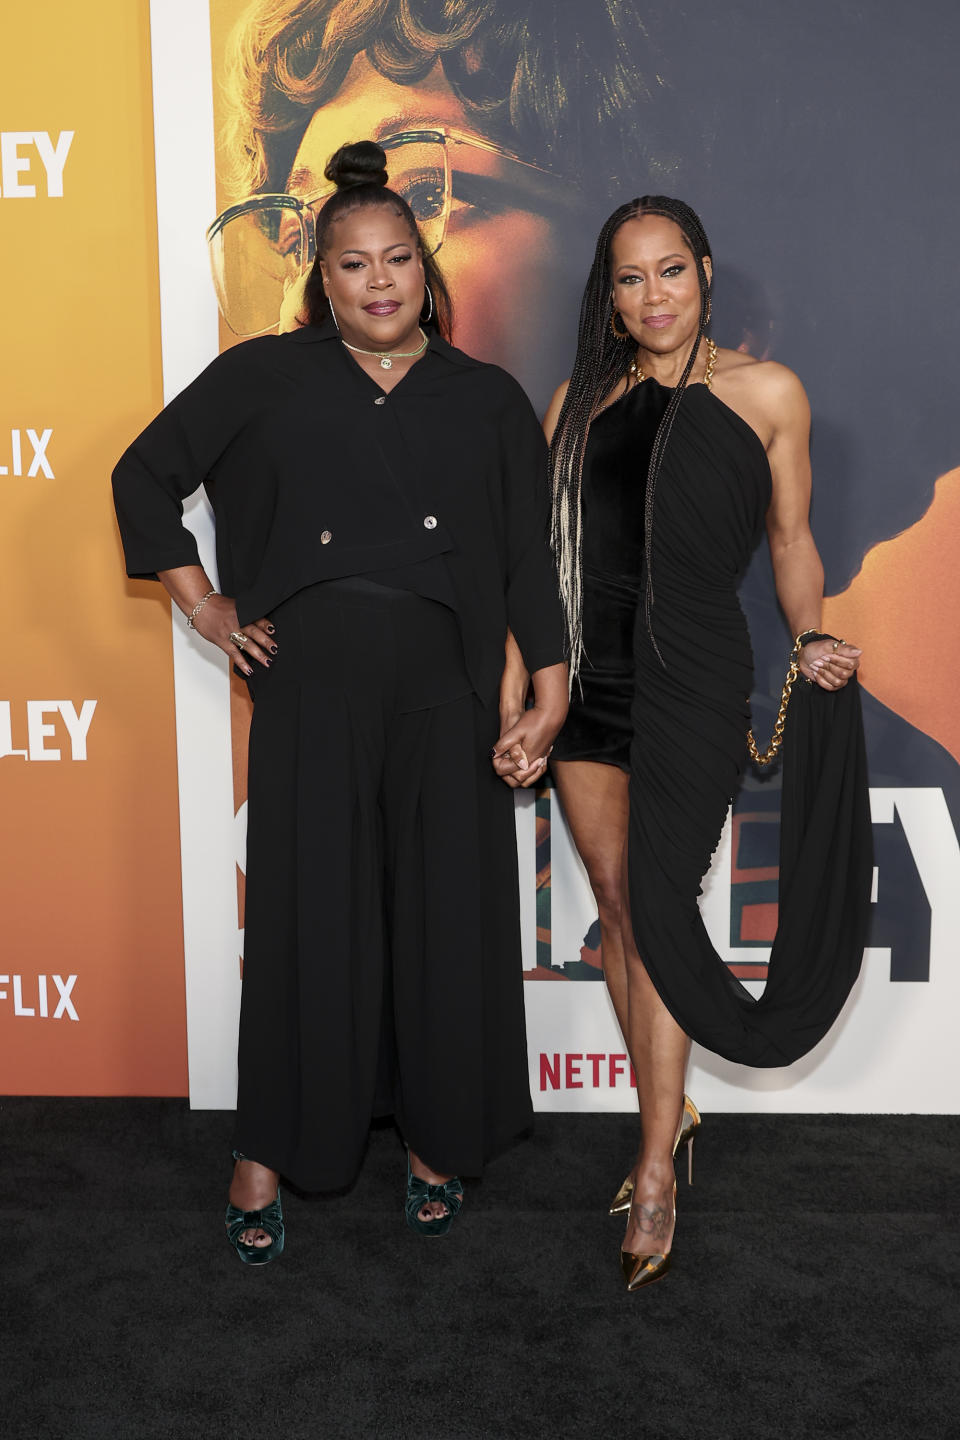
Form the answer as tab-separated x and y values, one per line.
326	537
430	522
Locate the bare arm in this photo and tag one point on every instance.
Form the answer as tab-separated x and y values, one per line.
520	754
796	563
526	736
553	410
797	568
514	684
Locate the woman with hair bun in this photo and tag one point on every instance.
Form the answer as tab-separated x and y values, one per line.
478	106
669	457
370	567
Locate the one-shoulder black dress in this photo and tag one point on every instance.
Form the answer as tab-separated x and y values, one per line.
678	720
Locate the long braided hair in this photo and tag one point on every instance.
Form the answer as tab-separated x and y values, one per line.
602	362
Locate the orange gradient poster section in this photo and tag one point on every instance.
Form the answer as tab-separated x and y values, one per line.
91	951
901	608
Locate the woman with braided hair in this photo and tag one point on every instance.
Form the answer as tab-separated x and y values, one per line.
669	456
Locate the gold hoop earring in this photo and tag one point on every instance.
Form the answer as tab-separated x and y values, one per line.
618	334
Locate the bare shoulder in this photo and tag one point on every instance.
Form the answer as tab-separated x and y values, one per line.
769	385
553	409
764	393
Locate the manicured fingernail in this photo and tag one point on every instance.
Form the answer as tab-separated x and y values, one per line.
273	649
271	629
493	754
268	663
247	669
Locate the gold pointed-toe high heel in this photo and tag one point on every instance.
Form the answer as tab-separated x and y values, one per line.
640	1270
690	1123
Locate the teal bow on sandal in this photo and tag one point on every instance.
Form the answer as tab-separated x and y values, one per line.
419	1192
270	1219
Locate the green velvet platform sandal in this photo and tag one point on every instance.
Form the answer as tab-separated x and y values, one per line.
270	1219
419	1192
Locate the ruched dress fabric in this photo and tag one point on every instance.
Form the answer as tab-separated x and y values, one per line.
689	719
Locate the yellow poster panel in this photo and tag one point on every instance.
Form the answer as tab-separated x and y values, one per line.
91	956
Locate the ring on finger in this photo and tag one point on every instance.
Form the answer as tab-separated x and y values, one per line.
238	638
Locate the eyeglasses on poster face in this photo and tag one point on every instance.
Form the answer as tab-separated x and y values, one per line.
261	245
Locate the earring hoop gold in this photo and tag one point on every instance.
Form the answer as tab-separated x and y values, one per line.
618	334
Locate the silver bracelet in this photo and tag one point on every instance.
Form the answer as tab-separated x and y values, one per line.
197	608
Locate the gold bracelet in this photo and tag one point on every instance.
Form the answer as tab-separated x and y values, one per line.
197	608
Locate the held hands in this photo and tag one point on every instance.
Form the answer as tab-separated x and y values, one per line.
526	736
829	663
218	622
520	755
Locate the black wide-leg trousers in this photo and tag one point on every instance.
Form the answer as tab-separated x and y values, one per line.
382	952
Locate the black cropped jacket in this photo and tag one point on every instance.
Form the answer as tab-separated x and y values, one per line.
314	474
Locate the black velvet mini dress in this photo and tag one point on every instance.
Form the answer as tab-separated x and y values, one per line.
615	462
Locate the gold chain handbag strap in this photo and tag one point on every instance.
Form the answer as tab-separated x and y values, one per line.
776	740
770	754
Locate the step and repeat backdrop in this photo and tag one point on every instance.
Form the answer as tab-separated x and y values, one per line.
818	144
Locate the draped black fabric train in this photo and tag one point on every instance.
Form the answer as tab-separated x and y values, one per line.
689	720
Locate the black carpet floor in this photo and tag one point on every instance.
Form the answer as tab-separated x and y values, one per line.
814	1289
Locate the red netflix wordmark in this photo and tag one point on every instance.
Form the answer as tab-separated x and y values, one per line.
562	1071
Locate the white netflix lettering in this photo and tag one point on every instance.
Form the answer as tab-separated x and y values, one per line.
32	999
39	461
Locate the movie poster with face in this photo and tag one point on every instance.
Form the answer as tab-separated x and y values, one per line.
819	172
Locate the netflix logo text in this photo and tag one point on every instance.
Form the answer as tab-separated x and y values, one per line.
571	1070
33	996
30	459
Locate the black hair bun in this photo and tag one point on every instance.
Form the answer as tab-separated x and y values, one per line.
362	163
